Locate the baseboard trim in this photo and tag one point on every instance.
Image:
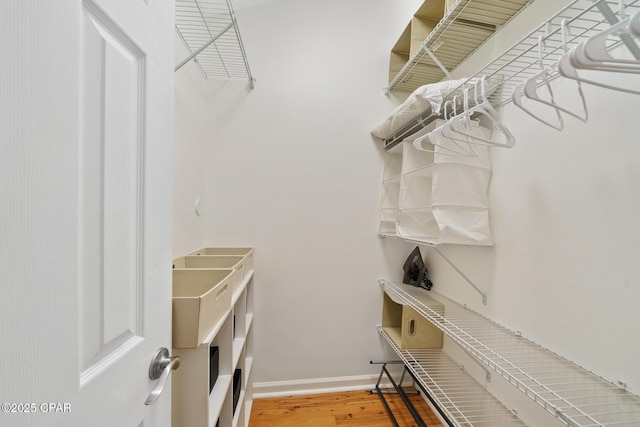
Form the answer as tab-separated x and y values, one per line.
315	386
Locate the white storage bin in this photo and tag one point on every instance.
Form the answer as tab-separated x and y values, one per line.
201	297
247	253
235	262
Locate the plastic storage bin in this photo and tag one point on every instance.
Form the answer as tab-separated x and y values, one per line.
235	262
201	297
407	328
247	253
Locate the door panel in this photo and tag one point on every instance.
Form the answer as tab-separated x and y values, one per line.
111	188
85	218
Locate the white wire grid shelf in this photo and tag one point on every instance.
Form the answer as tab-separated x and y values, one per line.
464	27
574	395
463	400
423	242
584	18
209	30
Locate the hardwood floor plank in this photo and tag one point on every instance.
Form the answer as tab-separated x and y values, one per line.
348	409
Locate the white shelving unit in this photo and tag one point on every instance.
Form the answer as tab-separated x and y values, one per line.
520	62
209	30
466	24
192	403
566	391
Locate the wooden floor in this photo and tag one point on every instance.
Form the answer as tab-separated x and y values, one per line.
349	409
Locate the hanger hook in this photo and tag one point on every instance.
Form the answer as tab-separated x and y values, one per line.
483	88
455	106
540	48
465	98
475	92
565	32
444	108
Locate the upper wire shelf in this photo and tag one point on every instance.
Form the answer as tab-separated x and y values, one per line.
574	395
209	30
584	18
464	27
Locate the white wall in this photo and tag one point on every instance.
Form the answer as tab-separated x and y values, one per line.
291	169
191	137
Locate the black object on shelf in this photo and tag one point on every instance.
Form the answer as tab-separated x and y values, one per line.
214	363
415	272
237	380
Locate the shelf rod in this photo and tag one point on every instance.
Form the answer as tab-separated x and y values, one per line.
438	63
203	47
484	296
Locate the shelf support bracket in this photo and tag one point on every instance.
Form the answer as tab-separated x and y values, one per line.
438	63
473	285
203	47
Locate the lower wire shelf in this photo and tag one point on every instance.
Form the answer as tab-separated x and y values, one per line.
574	395
463	401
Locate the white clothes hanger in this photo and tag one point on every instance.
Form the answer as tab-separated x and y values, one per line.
576	59
530	89
484	109
593	52
447	146
449	132
634	24
568	70
531	86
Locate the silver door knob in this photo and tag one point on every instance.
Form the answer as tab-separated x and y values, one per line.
159	369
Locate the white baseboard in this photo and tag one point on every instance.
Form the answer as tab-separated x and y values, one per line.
316	386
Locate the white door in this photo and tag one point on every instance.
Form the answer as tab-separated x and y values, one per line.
85	199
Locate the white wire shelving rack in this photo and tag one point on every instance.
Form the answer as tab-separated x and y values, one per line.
572	394
464	27
459	396
584	18
209	30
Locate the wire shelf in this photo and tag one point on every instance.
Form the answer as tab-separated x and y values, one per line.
463	400
209	30
464	27
571	393
520	62
584	18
